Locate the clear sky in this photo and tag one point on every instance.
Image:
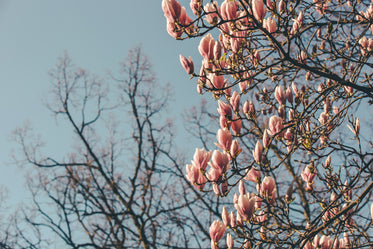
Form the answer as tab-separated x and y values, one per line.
97	35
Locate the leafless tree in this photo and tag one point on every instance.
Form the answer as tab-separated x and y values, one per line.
122	184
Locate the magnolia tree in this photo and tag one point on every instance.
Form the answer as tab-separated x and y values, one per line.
121	185
291	80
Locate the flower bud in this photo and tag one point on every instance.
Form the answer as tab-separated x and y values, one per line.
259	10
257	153
187	64
225	217
217	230
230	242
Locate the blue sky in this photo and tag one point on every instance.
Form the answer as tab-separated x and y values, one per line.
96	35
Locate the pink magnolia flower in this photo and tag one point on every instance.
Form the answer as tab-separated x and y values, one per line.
275	125
173	30
295	89
220	160
257	153
217	230
224	123
216	189
235	101
201	158
225	217
308	175
246	206
224	110
235	149
295	27
212	10
206	47
259	10
230	242
268	187
266	139
184	19
236	125
217	81
270	25
195	176
253	175
228	10
187	64
217	50
232	219
291	114
281	7
289	95
249	109
214	174
196	7
171	9
224	138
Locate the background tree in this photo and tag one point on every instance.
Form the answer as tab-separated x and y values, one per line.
122	185
289	78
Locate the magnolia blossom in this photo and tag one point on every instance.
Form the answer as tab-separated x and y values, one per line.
270	25
246	206
230	242
228	10
259	10
257	153
289	95
280	95
201	158
195	176
187	64
224	138
253	175
308	175
224	109
225	217
206	47
236	125
217	230
275	125
217	81
235	101
266	139
220	161
249	109
281	6
196	7
212	10
267	188
171	9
